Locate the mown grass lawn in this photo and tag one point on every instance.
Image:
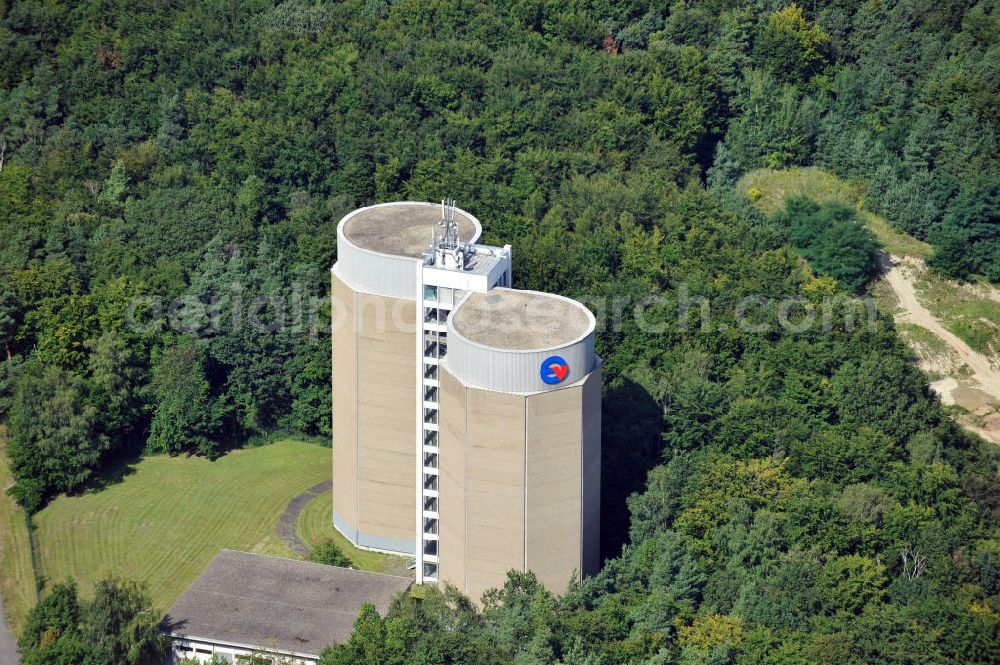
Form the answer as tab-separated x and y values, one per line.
315	524
16	580
169	516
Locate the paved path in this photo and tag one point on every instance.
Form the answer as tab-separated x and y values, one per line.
8	647
286	523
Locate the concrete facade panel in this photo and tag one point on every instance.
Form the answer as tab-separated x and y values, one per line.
387	387
553	533
495	488
345	421
452	480
591	485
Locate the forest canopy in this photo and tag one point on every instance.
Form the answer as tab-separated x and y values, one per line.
833	239
170	171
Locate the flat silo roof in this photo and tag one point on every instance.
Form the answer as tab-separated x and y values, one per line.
521	320
402	229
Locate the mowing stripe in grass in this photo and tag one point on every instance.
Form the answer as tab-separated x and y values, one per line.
170	516
16	576
315	524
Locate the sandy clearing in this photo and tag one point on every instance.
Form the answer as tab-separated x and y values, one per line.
987	292
901	280
973	391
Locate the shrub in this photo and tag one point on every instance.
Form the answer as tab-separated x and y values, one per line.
327	552
833	239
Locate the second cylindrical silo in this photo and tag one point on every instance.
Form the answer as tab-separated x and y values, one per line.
520	441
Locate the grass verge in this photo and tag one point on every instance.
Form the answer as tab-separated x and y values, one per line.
895	242
16	579
315	524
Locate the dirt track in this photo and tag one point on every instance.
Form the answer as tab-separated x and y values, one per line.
898	277
983	386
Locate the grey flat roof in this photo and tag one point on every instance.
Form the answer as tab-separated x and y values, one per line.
402	229
282	604
480	263
526	320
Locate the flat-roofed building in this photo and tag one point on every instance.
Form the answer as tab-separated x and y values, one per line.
247	604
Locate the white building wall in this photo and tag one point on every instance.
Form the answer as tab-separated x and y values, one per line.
203	651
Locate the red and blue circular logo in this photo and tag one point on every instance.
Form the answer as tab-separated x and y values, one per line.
554	370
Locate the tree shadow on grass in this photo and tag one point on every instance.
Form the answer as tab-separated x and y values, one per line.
631	445
114	469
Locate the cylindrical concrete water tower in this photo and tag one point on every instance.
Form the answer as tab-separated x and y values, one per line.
520	443
374	288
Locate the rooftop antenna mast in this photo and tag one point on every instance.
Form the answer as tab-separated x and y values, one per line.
450	239
448	250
